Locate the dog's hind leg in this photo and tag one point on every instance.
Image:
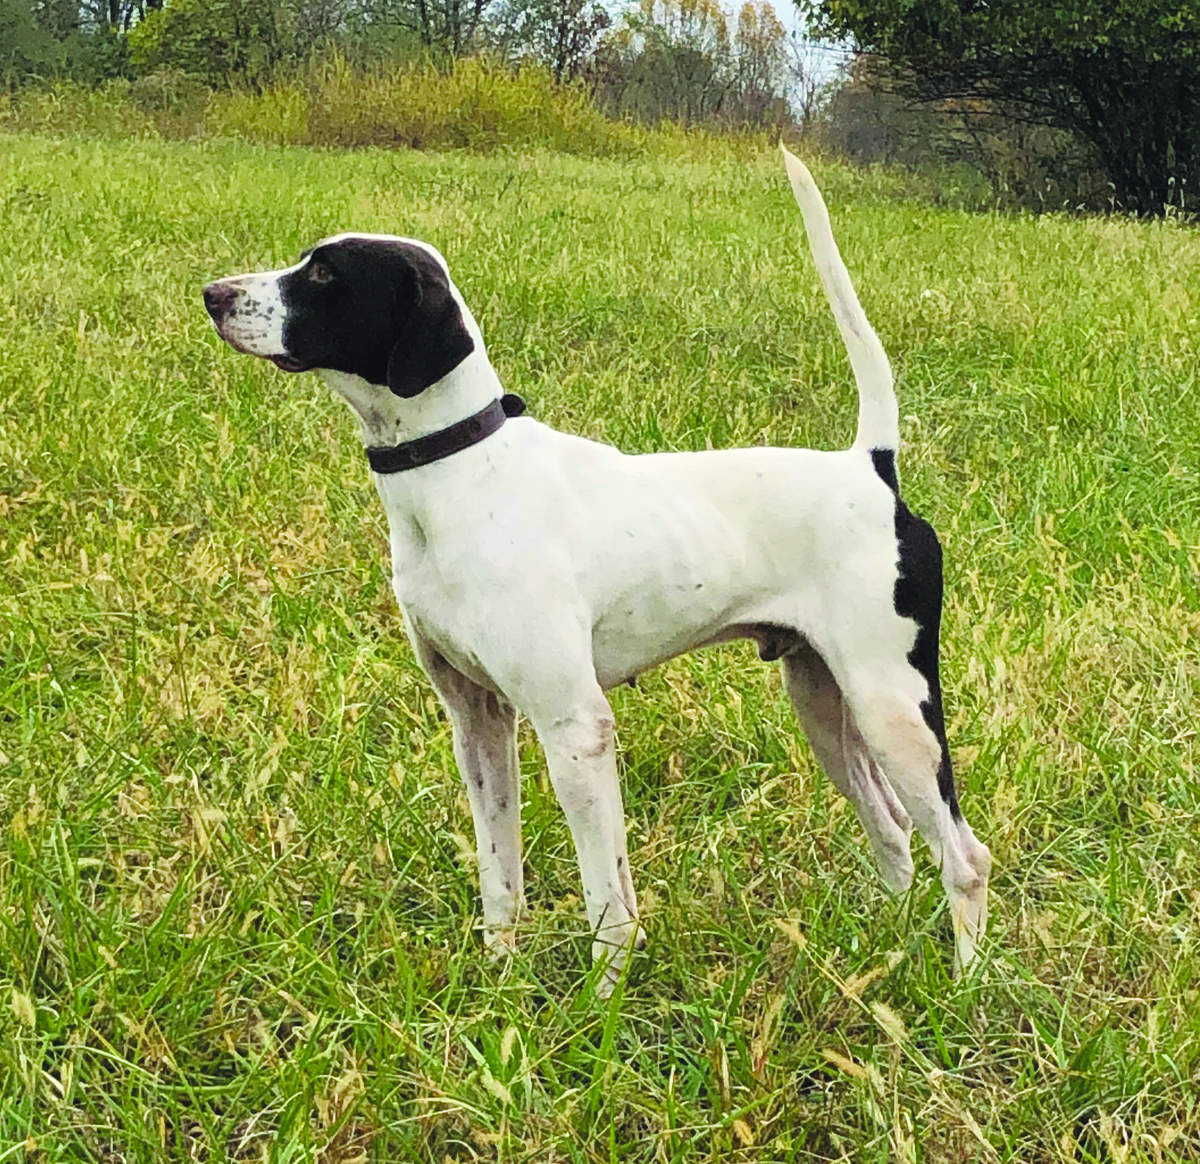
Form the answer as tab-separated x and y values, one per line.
895	729
892	685
842	752
484	728
885	660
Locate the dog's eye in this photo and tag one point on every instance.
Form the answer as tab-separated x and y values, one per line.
319	273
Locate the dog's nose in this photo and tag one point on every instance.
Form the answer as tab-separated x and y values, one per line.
219	299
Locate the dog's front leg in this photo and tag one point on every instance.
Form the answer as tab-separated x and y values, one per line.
484	727
581	754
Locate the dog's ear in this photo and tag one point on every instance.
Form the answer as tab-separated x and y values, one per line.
432	339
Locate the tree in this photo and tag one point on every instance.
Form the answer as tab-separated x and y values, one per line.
60	18
561	34
759	64
214	39
26	48
77	38
677	59
671	60
442	27
314	24
813	71
1123	75
115	15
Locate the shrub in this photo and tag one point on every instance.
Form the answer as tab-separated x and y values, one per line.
475	104
106	110
278	115
215	39
170	91
478	104
160	105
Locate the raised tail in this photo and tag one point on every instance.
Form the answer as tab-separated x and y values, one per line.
878	424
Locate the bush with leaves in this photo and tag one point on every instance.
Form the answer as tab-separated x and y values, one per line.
1123	75
218	40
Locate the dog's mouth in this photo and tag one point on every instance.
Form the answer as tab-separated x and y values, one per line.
288	364
281	360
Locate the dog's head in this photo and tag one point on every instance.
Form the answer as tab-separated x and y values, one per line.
373	306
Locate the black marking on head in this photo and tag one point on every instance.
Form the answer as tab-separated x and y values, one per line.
884	461
918	595
382	310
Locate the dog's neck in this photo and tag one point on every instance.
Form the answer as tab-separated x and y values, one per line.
388	419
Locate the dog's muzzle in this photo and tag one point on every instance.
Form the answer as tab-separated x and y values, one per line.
219	299
242	321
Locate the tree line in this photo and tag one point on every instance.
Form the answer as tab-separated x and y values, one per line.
1075	103
687	60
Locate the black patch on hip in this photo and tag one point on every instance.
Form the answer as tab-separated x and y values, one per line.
918	595
884	461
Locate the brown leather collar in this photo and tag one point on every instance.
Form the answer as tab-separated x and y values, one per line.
446	441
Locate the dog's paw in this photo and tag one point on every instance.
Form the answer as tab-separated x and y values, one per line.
896	871
611	957
500	944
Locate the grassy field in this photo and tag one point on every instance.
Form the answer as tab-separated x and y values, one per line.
237	899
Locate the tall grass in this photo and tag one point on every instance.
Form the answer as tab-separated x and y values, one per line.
474	103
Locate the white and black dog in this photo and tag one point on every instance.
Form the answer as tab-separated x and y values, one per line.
536	569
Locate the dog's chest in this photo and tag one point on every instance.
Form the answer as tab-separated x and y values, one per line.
446	597
454	643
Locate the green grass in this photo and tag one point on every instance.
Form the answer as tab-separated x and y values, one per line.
237	904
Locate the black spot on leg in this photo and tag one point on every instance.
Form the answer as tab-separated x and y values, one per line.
502	804
493	846
620	862
508	885
918	595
